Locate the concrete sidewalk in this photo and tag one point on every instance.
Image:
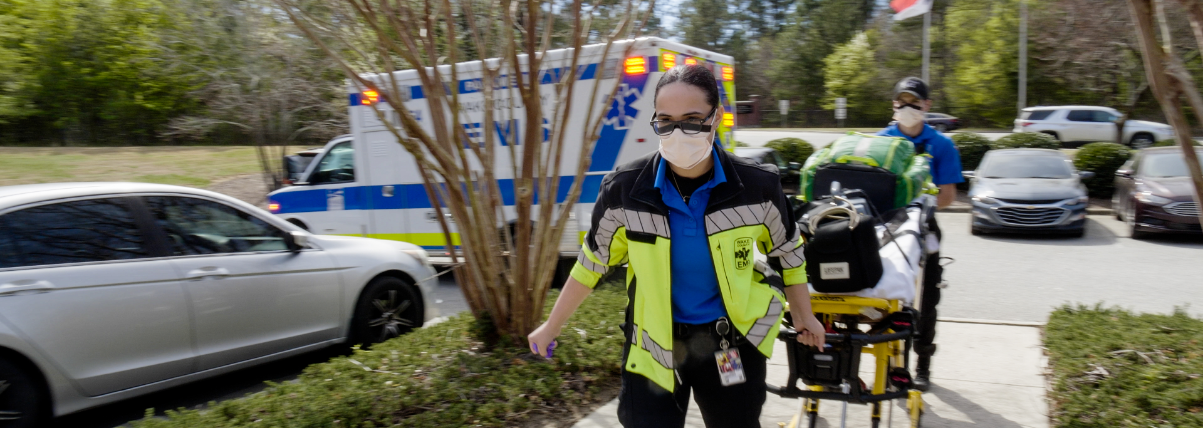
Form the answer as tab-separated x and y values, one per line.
984	375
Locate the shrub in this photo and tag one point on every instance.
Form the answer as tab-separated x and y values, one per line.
1027	140
1171	143
1114	368
1103	159
792	149
437	376
972	148
740	144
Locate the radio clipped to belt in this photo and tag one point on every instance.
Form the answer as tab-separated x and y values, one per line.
842	246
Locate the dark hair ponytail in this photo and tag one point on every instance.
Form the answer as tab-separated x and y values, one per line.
695	75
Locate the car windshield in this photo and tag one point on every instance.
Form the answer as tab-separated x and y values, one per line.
1166	165
1027	167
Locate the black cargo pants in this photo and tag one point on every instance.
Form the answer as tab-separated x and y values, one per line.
643	403
933	274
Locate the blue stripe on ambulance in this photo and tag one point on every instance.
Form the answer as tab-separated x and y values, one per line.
619	119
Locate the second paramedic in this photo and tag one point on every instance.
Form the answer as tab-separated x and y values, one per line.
911	103
688	222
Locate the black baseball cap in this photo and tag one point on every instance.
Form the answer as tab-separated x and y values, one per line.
911	85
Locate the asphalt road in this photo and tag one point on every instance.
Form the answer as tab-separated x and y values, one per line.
1023	278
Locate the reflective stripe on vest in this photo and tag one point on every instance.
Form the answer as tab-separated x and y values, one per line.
761	329
661	355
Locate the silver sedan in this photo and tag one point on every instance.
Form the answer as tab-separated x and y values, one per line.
112	290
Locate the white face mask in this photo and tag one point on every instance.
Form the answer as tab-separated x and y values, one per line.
908	116
686	151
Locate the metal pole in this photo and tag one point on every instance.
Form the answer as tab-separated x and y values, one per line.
1023	54
926	47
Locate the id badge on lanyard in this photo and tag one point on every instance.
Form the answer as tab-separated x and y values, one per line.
730	366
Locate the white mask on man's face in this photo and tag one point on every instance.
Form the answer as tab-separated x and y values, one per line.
908	116
686	151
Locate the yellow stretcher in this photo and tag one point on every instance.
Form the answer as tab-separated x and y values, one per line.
857	325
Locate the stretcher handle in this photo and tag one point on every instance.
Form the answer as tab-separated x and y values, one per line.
862	338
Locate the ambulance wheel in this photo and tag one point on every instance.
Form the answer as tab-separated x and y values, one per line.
563	271
299	224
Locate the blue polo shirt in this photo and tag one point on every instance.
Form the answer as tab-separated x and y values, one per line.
946	160
695	293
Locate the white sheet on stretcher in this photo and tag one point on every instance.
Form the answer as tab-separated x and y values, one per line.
898	276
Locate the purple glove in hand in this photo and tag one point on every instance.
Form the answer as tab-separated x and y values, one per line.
550	349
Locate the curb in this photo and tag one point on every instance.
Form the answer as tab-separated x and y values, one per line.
967	208
991	322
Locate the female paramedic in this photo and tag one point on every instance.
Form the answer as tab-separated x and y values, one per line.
701	317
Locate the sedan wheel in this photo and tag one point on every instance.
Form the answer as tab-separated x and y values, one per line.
22	405
388	307
941	127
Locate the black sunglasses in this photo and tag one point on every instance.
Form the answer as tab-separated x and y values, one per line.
687	126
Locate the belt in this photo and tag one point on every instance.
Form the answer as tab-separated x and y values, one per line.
719	329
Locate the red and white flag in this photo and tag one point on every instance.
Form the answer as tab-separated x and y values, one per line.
904	9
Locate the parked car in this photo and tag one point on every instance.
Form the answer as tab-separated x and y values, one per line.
942	122
1090	124
1028	190
113	290
1153	193
791	180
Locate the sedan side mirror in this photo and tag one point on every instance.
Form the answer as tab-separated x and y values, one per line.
967	174
1123	173
296	240
794	166
1086	175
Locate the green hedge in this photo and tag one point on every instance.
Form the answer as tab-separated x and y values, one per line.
1103	159
740	144
438	376
1027	140
792	149
972	148
1113	368
1171	143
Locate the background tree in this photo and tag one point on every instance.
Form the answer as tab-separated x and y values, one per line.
264	83
851	72
816	28
505	276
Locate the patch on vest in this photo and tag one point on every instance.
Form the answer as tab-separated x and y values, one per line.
743	253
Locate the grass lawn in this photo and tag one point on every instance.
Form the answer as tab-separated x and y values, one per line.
1113	368
187	166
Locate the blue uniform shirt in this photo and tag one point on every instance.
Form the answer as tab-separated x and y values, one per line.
695	293
946	160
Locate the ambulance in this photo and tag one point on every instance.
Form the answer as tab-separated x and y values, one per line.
366	184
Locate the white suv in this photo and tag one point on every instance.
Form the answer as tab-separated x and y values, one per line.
1090	123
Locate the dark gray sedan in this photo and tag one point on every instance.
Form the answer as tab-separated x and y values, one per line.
1028	190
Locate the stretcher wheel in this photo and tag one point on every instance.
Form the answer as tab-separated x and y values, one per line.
814	419
914	406
876	422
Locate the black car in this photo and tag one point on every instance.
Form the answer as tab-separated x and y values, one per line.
790	178
942	122
1153	193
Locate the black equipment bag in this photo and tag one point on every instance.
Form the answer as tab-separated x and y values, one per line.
879	185
842	251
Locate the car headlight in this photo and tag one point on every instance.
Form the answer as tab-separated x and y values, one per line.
1151	199
419	254
1076	201
986	200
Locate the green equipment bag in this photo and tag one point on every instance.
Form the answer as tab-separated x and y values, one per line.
885	168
